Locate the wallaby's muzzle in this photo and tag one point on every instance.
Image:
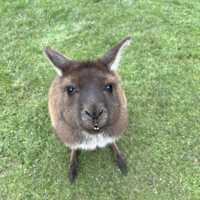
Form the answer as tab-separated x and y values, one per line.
94	116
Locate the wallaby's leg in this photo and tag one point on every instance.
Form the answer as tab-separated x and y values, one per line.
120	159
72	173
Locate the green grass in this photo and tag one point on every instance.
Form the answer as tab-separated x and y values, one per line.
161	77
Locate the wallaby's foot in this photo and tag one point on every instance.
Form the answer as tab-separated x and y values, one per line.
120	159
73	165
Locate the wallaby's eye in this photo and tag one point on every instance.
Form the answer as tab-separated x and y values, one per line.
71	89
108	88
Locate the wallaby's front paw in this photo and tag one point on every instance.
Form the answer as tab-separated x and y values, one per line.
121	163
72	173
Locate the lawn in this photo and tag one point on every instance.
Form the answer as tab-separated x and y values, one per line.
160	74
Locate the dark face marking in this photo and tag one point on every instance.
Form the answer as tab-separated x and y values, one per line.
90	96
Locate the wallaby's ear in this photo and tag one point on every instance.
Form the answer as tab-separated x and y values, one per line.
60	62
113	56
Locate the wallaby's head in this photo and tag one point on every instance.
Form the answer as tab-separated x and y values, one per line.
89	92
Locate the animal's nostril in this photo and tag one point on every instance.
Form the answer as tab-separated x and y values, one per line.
100	113
87	113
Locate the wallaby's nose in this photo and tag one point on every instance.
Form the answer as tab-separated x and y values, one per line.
94	115
93	112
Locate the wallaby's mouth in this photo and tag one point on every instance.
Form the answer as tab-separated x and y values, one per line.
93	128
96	128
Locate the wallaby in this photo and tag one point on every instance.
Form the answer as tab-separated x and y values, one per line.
87	105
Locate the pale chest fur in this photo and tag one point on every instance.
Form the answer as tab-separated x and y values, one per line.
91	142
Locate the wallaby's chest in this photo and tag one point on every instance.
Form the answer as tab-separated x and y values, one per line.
91	142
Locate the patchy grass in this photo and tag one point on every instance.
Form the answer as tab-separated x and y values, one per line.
161	76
